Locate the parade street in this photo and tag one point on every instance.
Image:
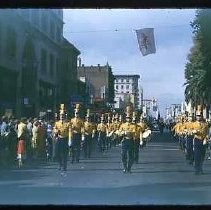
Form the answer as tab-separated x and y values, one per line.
162	176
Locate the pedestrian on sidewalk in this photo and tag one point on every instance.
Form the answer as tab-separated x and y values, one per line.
21	152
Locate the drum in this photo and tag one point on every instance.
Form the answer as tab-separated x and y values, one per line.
146	134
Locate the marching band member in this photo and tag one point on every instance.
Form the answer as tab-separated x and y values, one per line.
61	133
116	125
88	135
127	131
136	138
188	128
178	130
143	127
200	140
77	125
109	132
120	122
102	128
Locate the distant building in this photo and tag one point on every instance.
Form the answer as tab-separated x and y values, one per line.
100	82
126	91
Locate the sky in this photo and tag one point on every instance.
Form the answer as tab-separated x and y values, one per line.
108	35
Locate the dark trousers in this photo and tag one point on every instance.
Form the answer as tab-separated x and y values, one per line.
76	147
115	140
102	141
108	142
87	146
182	142
189	146
127	153
62	152
136	150
199	152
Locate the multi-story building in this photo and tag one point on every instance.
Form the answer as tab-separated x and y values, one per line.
67	79
100	82
126	91
31	60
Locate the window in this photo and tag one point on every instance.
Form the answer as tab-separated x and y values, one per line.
51	65
52	29
11	42
57	65
127	80
43	61
127	86
117	87
122	87
122	80
50	92
58	34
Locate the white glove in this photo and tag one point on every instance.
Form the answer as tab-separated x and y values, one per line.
70	142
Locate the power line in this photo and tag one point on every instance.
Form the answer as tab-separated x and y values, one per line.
126	30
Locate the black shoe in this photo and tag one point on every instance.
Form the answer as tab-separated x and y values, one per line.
129	170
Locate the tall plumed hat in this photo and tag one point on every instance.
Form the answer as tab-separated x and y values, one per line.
199	110
88	113
128	111
109	116
134	116
77	108
116	116
62	109
120	117
102	117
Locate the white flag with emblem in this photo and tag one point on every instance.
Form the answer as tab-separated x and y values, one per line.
146	40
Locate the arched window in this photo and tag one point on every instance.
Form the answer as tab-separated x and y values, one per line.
11	42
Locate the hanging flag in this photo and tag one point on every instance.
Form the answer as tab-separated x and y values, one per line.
146	40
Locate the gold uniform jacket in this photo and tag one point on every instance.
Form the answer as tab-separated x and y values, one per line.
102	127
127	130
201	130
77	125
62	129
88	129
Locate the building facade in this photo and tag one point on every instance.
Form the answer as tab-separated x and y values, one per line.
31	56
126	91
100	82
67	79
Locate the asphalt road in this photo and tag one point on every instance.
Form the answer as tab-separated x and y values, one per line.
162	177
